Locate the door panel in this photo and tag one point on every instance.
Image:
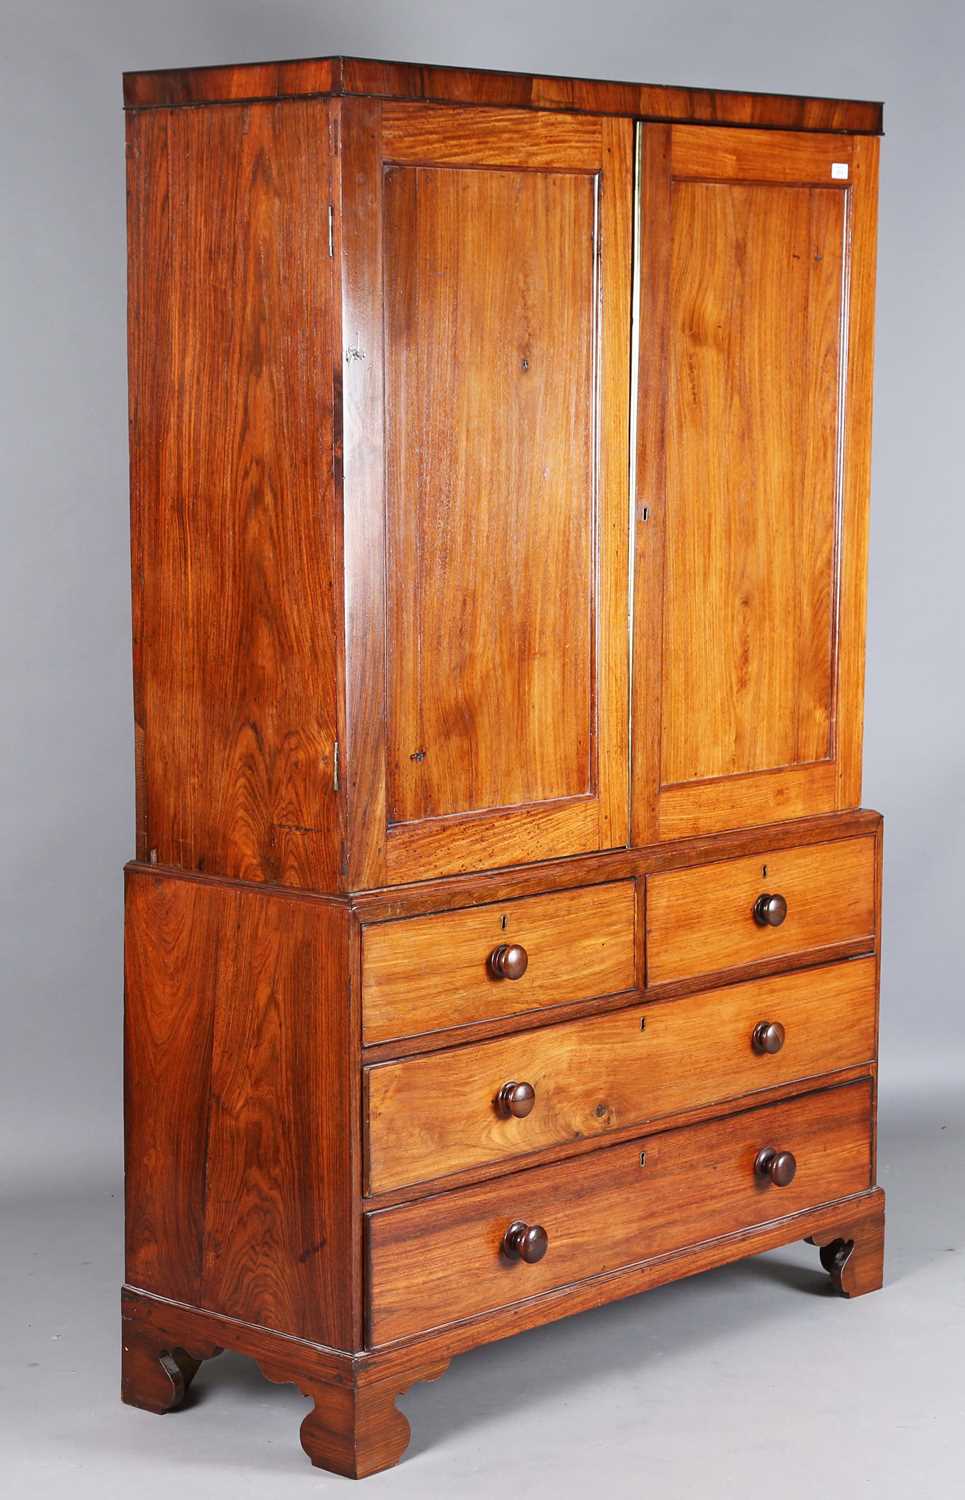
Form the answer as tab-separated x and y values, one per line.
486	303
755	331
753	469
488	273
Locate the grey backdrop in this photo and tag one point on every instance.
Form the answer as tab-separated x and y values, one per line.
67	784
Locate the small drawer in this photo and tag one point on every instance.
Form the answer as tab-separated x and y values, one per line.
452	1256
447	1111
427	973
712	917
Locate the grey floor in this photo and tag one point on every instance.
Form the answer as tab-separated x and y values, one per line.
751	1381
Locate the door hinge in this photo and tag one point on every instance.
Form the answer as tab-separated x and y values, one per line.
336	767
331	231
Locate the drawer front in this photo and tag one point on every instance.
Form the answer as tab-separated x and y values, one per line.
442	1259
427	973
428	1116
702	920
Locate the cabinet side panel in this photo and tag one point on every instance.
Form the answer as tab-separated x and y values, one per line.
172	955
235	532
239	1116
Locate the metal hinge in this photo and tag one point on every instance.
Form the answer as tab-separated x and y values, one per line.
335	767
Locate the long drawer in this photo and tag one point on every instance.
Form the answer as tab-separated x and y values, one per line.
423	974
445	1258
445	1111
739	912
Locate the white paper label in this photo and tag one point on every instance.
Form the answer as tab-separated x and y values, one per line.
839	169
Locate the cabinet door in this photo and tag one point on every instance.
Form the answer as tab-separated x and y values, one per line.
752	475
486	310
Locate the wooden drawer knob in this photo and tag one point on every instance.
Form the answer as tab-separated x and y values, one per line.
770	911
775	1166
768	1036
516	1099
508	961
528	1242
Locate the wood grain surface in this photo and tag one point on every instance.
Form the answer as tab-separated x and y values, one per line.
857	1253
435	133
401	80
440	1260
358	245
702	920
239	1113
584	1146
752	494
166	1323
429	1116
487	580
491	583
234	521
856	476
752	457
433	972
421	897
732	156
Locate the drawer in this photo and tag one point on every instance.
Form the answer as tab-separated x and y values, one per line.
426	973
443	1259
441	1113
702	920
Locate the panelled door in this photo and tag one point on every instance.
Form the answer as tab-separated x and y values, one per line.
486	263
752	474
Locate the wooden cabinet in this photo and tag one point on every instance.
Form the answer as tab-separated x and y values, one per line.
503	933
458	696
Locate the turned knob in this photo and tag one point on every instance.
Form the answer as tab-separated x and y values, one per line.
775	1166
508	961
770	911
528	1242
516	1099
768	1036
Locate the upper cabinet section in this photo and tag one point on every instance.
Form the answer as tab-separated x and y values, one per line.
499	465
486	312
751	477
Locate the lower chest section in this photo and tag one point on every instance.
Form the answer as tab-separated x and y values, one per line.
562	1087
478	1104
